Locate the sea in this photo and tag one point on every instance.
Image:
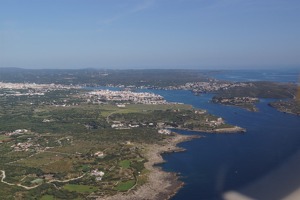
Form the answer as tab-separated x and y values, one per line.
279	75
215	164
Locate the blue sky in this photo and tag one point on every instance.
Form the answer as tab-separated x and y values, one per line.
204	34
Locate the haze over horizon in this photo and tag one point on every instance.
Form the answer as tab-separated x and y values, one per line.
118	34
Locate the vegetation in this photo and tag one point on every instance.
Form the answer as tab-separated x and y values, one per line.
247	96
153	78
291	106
261	90
47	197
124	186
57	146
247	103
80	188
170	118
125	164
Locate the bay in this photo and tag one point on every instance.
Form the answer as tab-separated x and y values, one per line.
222	162
217	163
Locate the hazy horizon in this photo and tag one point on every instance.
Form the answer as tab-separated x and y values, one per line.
156	68
150	34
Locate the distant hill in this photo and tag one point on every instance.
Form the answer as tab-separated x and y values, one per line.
153	77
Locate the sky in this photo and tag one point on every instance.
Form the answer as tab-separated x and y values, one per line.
202	34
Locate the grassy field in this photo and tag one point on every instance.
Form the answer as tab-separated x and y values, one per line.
80	188
124	186
38	160
125	164
60	166
47	197
133	108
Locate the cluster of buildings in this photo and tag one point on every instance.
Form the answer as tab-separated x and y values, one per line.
31	88
52	86
129	125
211	86
235	100
99	154
215	123
98	174
17	132
22	146
161	126
17	94
125	96
119	125
164	131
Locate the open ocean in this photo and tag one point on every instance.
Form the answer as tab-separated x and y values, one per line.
218	163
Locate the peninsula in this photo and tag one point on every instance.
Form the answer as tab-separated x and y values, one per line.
290	106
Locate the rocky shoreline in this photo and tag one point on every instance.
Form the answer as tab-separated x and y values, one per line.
161	185
235	129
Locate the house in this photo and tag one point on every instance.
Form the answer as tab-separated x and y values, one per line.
133	126
121	105
98	174
164	131
99	154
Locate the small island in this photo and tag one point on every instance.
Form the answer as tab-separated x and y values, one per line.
245	102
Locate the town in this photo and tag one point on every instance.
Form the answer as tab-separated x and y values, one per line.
103	96
208	86
51	86
211	86
31	89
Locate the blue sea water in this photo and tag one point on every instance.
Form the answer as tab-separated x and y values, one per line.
283	75
221	162
218	163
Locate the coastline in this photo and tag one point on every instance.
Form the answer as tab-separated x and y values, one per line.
285	109
160	185
235	129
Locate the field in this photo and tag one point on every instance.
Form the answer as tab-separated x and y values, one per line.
80	188
47	197
124	186
125	164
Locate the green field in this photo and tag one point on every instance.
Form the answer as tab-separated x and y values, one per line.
47	197
124	186
136	108
80	188
125	164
